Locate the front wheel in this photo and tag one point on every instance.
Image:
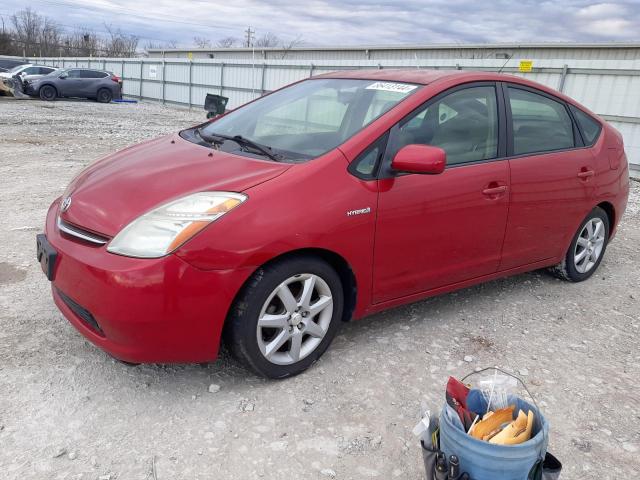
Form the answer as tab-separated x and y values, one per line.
286	316
587	248
48	93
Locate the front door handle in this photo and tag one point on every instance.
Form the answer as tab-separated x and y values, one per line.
495	190
586	174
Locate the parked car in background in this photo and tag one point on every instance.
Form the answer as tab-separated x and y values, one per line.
98	85
330	199
21	73
9	63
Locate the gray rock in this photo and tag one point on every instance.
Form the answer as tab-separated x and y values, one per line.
59	452
468	358
213	388
327	472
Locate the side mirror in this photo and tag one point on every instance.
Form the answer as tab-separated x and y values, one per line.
64	75
423	159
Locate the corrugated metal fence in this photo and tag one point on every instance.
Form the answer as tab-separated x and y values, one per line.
610	88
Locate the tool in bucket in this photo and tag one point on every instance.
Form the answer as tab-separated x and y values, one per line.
509	457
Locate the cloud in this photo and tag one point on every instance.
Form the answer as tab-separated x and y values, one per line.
351	22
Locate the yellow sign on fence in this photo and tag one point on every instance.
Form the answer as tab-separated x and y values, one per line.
526	65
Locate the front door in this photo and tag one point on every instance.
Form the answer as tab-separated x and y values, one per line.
71	86
436	230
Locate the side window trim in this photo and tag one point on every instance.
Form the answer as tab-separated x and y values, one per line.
383	140
577	135
579	129
385	171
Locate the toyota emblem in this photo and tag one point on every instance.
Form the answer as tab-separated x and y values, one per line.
66	203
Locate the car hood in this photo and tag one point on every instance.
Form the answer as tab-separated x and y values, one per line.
114	191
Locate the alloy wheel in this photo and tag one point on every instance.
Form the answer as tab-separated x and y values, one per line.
589	245
294	319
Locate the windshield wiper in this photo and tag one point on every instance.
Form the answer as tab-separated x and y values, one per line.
240	140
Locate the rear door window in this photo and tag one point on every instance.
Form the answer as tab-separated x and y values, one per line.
92	74
539	123
589	127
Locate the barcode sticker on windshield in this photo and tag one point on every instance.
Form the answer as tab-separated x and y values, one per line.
392	87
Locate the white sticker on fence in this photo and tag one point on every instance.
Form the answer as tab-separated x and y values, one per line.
392	87
153	71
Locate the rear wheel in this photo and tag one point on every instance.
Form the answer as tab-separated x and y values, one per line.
48	93
587	248
286	316
104	95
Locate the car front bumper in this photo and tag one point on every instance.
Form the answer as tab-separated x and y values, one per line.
140	310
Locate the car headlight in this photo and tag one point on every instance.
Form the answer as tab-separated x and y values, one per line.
162	230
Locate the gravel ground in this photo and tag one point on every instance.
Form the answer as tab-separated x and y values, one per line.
68	411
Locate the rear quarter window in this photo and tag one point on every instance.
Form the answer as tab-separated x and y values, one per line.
588	126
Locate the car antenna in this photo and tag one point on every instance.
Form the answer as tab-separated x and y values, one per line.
505	63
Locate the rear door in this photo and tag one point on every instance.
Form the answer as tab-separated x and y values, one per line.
436	230
92	82
552	177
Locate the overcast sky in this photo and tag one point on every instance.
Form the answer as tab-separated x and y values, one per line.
353	22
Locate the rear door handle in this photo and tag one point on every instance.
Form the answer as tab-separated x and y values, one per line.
495	190
585	174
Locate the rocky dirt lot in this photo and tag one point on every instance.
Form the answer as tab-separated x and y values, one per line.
68	411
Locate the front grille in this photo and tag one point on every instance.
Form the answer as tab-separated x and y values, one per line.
80	233
82	313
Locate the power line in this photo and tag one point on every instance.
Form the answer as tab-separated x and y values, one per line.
138	14
95	30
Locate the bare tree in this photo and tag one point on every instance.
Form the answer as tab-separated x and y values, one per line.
119	44
6	45
268	40
288	45
227	42
201	42
84	42
26	25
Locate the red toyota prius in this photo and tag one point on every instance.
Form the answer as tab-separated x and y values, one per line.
328	200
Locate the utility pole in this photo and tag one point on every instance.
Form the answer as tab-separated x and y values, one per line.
249	36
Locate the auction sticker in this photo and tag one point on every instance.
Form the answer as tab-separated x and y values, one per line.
392	87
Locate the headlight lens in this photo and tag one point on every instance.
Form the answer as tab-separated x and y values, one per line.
162	230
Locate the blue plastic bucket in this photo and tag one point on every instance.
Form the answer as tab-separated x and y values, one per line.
486	461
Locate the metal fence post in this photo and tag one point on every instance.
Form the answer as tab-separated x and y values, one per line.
264	67
311	69
221	77
563	77
163	80
141	78
190	81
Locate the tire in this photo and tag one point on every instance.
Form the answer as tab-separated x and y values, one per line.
578	264
104	95
299	336
48	93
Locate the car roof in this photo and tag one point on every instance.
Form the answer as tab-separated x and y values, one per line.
422	76
88	69
425	76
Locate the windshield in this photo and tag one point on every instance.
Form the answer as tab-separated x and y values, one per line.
312	117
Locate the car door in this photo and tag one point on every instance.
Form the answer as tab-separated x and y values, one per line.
71	85
552	177
437	230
